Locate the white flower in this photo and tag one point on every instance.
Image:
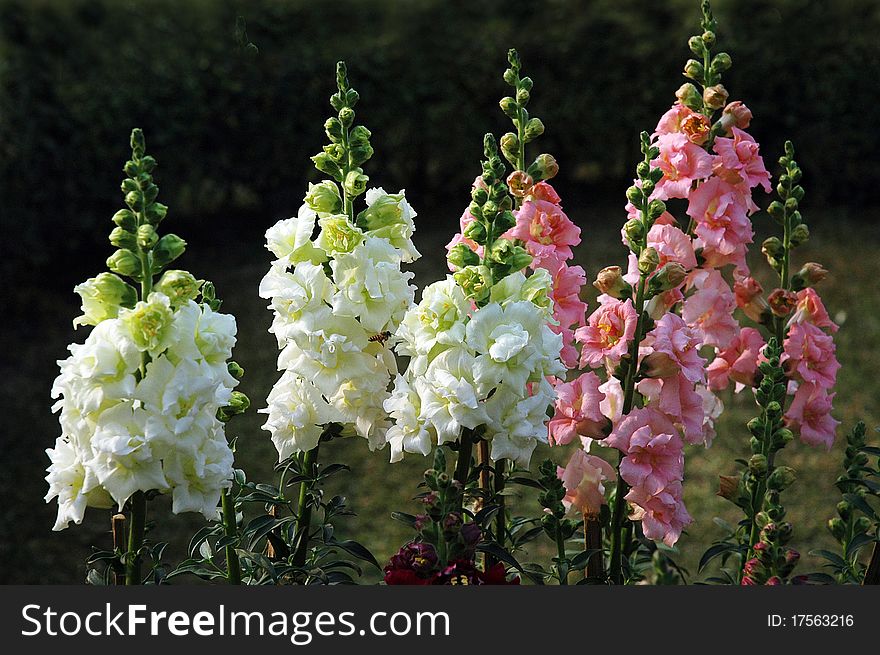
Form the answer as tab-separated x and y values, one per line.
197	476
517	287
517	423
438	319
360	402
202	333
712	409
390	216
508	341
101	298
305	288
338	236
297	412
290	239
101	370
122	459
371	286
612	405
327	349
150	323
449	395
69	483
409	432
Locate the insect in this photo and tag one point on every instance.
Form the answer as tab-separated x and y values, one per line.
382	337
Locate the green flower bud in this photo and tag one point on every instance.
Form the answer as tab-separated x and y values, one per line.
324	198
721	62
508	106
179	286
235	370
355	182
799	235
475	281
534	129
649	260
150	323
670	275
656	209
238	404
147	237
695	43
460	256
122	238
693	70
708	38
102	296
325	163
125	219
504	251
124	262
543	168
510	146
758	465
773	247
333	129
337	235
504	221
635	195
837	528
135	200
634	230
862	524
168	248
522	96
688	95
844	509
155	212
476	232
386	210
781	478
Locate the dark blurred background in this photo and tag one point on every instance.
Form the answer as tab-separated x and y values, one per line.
233	133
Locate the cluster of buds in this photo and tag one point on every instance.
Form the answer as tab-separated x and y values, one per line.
491	208
444	551
773	560
706	71
349	145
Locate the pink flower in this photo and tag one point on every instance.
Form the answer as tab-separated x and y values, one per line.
811	309
544	191
652	447
663	515
712	409
677	398
583	477
547	232
737	362
749	297
674	347
810	411
672	245
682	163
608	332
568	308
671	121
722	224
577	410
738	160
612	405
709	311
568	354
809	355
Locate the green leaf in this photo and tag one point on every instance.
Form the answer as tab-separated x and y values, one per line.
580	560
835	559
358	550
713	552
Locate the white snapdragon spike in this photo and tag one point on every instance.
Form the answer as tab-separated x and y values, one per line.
476	368
336	314
127	427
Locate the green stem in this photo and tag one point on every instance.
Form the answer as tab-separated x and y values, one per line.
501	517
560	551
463	463
230	529
304	507
617	516
136	530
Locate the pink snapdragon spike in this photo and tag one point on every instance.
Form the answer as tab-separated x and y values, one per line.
675	348
578	412
547	232
810	413
583	478
709	309
652	449
811	309
809	355
663	515
672	245
738	362
739	161
608	332
722	225
682	163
